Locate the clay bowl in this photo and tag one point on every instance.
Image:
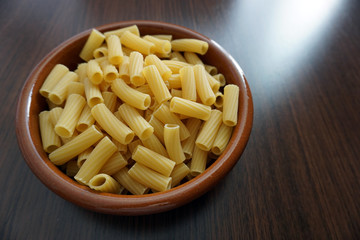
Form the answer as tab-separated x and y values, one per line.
31	103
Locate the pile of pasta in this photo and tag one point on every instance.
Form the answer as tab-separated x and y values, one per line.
141	114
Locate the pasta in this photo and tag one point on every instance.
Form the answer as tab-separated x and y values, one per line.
142	113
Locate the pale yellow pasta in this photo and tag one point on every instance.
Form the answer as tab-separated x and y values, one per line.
130	184
133	145
114	127
153	160
110	100
127	51
161	45
175	66
94	72
203	87
136	43
110	72
153	143
177	56
156	84
230	104
92	93
68	139
71	168
136	60
104	86
96	160
164	114
198	161
50	141
221	78
104	183
174	81
193	58
208	133
222	139
115	54
52	79
190	108
94	41
66	124
55	114
52	105
145	89
86	119
179	173
135	121
122	148
193	125
81	71
59	93
129	95
189	45
163	36
173	144
133	29
83	156
214	84
76	88
114	164
158	128
188	85
100	52
219	100
212	70
164	70
176	92
124	70
149	177
76	146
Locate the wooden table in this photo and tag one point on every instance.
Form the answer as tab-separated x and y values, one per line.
299	177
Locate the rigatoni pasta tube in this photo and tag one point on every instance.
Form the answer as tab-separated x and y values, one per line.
123	177
97	159
50	141
173	144
154	144
203	87
192	58
136	43
52	79
76	146
104	183
135	68
153	160
190	108
124	70
149	177
110	72
156	84
179	173
94	72
94	41
208	133
189	45
158	128
164	70
198	161
114	164
188	85
133	29
193	125
222	139
92	93
55	114
76	87
129	95
135	121
175	66
113	126
58	94
85	119
161	45
101	51
115	54
65	126
164	114
230	104
110	100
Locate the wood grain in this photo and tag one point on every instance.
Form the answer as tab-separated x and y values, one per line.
299	176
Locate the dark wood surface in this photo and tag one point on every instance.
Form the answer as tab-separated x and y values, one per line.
299	177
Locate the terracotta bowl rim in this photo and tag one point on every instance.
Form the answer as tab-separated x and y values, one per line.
108	203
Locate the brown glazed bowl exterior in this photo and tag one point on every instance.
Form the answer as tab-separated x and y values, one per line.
31	103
